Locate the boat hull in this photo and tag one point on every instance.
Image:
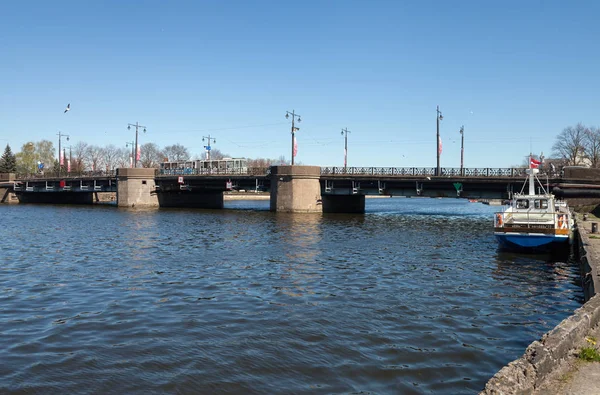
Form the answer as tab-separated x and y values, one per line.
529	241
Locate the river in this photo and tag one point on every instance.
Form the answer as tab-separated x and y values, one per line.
411	297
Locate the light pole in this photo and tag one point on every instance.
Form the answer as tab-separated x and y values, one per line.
60	162
438	118
345	134
208	148
127	144
462	149
294	129
137	125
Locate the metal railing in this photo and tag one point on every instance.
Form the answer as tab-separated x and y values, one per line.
429	171
63	175
517	172
250	171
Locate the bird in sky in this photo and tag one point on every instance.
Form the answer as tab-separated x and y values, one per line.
68	108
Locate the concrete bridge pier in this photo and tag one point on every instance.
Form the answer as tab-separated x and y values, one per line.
7	195
352	204
296	189
135	187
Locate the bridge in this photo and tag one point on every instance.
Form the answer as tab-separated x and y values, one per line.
292	188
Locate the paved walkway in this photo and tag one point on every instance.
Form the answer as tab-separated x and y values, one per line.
580	377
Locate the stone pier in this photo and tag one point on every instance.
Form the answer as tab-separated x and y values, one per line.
296	189
135	188
7	195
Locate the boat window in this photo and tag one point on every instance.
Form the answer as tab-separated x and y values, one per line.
522	203
541	203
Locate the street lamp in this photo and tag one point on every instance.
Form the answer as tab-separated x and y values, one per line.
345	134
137	125
208	148
132	144
462	149
60	157
294	129
438	118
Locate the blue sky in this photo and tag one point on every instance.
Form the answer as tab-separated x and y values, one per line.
514	73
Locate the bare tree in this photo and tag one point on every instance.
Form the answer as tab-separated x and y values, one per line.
570	144
591	144
94	158
123	158
176	153
151	155
80	151
110	153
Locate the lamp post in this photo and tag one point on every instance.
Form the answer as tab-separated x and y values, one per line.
60	136
208	148
438	118
127	144
294	129
345	134
462	149
137	125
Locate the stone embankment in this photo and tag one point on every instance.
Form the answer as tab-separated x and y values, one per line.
550	365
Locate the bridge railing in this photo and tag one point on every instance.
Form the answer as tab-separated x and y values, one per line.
425	171
249	171
65	175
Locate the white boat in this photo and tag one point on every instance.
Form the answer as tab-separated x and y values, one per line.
534	221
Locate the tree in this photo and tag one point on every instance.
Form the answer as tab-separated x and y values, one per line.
123	158
80	152
591	146
176	153
570	144
109	155
44	152
8	161
151	155
93	155
27	159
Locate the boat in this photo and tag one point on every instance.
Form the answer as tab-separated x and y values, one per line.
534	221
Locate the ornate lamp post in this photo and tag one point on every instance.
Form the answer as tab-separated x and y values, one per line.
438	118
345	134
137	125
462	149
60	162
294	129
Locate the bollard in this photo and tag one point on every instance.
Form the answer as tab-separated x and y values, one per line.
594	227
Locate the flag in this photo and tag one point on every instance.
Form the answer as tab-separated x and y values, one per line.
68	165
533	163
439	145
61	158
295	147
138	153
131	160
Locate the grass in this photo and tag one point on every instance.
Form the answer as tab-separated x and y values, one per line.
589	354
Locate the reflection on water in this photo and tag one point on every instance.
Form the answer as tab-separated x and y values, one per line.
411	297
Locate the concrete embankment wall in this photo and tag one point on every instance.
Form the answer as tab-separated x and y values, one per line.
546	359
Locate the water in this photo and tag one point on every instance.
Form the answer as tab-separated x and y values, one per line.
411	297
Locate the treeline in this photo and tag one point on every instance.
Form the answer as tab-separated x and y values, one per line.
578	145
80	157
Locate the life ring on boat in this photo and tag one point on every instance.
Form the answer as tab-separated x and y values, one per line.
499	219
560	221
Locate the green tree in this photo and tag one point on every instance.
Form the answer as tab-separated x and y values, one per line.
26	159
8	161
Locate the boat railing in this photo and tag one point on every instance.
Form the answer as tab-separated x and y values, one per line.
512	218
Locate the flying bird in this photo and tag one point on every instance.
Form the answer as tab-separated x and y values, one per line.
68	108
